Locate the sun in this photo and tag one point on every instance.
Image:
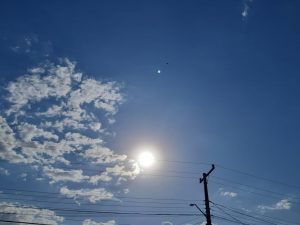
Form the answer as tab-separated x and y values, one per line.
146	159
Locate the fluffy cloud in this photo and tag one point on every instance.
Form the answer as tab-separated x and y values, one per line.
54	116
24	213
93	195
283	204
8	144
91	222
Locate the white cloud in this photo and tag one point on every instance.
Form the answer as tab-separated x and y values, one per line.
166	223
93	195
228	194
18	213
103	155
29	131
8	144
91	222
24	176
246	8
122	171
56	175
4	171
55	116
283	204
101	177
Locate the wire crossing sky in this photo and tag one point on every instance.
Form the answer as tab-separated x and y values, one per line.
111	111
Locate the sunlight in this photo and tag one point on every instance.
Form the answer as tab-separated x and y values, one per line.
146	157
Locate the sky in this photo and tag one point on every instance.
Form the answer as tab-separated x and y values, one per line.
86	86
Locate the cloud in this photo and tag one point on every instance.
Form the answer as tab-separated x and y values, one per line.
25	44
228	194
93	195
4	171
166	223
8	144
30	45
101	154
91	222
283	204
24	176
56	175
246	8
55	116
25	213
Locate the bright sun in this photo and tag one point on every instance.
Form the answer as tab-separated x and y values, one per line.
146	159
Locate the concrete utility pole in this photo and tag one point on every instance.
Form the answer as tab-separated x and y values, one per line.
207	209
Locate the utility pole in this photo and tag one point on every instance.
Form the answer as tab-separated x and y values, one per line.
207	209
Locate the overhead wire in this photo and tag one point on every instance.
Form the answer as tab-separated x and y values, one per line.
228	214
106	212
256	216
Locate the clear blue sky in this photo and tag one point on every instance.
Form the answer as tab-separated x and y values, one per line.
227	92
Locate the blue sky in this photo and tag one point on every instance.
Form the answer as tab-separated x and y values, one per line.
81	92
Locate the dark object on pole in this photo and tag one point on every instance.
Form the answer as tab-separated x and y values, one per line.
207	209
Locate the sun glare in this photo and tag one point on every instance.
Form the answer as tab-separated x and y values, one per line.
146	159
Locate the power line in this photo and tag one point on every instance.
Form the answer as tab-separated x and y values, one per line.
251	192
106	212
257	218
117	196
226	219
125	201
258	177
101	205
253	187
24	222
199	163
228	214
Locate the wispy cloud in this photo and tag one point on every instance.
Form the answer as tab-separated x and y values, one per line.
20	213
4	171
25	44
30	45
283	204
56	175
91	222
93	195
228	194
246	8
166	223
